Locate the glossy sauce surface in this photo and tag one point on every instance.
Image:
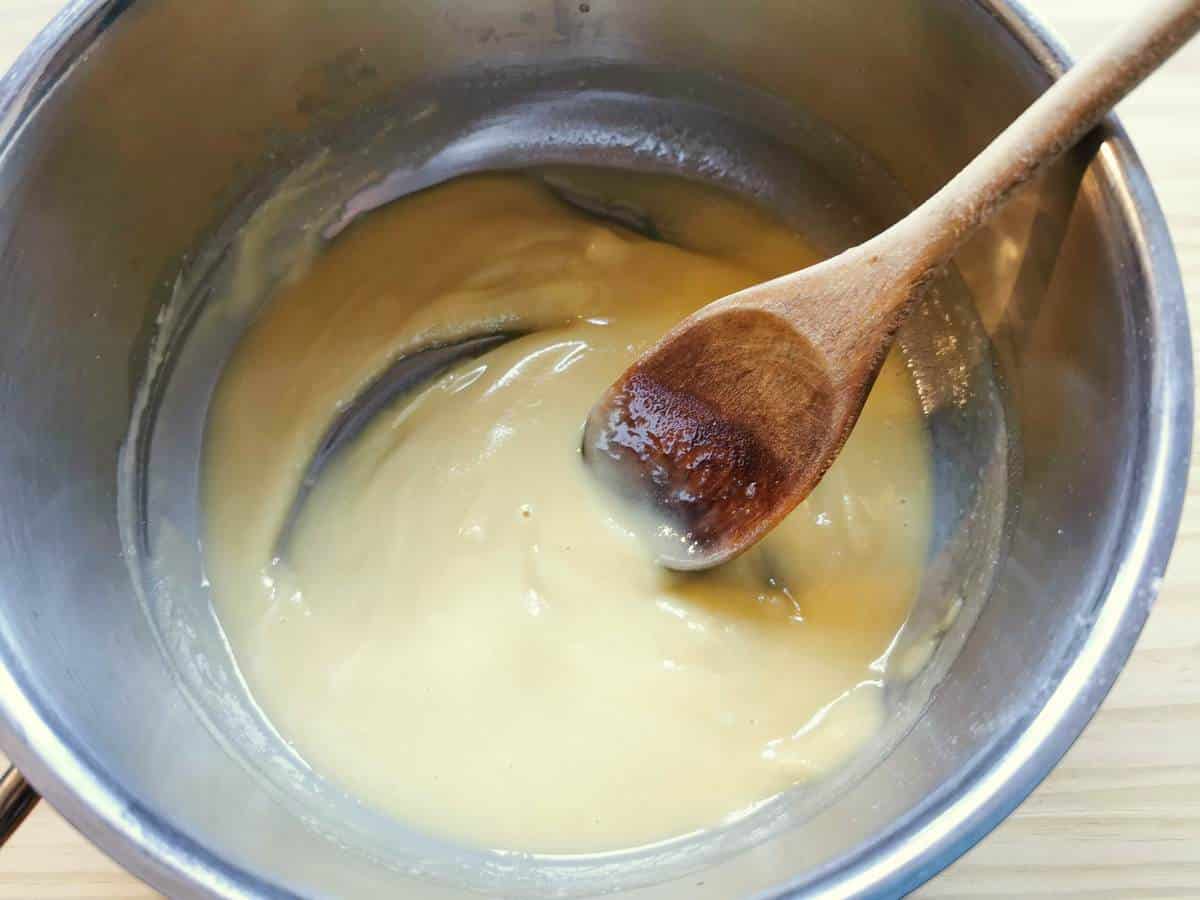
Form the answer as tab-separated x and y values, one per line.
463	633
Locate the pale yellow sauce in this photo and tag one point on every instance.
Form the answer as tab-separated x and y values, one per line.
463	634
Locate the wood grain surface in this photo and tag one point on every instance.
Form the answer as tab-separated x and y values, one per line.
1120	817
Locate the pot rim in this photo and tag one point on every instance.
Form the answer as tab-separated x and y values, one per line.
171	861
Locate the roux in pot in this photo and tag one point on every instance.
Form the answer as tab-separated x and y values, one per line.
463	633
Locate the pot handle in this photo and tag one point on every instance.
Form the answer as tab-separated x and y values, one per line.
17	800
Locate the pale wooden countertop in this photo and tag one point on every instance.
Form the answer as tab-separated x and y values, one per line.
1120	817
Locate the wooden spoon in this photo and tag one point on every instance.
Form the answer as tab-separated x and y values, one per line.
732	418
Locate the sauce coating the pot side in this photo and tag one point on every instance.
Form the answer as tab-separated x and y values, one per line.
463	633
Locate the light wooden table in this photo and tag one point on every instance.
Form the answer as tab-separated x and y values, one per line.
1120	817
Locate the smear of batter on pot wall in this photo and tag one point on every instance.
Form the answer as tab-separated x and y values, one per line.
461	632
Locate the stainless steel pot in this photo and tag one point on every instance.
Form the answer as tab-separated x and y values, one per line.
129	131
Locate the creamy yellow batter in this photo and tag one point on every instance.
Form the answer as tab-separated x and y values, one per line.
462	633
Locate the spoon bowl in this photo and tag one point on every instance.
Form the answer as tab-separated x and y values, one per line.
672	429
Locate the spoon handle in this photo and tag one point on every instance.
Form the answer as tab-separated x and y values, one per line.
1072	106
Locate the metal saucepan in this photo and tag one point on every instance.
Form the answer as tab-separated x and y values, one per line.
135	138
